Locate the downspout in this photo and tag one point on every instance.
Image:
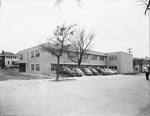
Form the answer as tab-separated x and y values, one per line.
121	63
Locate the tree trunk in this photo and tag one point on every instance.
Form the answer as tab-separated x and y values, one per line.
57	71
79	64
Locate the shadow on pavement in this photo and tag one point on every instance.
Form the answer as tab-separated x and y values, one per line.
61	80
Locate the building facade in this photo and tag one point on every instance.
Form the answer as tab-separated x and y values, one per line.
121	61
34	60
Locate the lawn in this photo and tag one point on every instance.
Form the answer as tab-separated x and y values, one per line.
7	74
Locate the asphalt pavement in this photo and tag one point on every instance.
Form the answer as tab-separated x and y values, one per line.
115	95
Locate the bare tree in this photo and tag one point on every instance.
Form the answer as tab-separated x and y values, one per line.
79	46
147	4
58	2
56	44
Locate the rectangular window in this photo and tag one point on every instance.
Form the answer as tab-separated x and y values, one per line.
21	57
37	53
32	54
113	57
85	56
101	57
53	67
94	57
37	67
32	67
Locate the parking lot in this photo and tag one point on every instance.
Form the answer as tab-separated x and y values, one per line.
113	95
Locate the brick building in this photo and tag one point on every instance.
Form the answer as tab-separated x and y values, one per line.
34	60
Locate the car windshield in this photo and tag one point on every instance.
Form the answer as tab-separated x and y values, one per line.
94	70
88	70
78	70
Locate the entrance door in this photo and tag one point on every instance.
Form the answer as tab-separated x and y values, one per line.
22	67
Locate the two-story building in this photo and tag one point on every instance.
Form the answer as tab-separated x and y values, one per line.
34	60
8	59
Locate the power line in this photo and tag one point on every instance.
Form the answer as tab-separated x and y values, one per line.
142	48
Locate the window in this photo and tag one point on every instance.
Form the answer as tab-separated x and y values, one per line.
94	57
37	53
85	56
37	67
113	57
113	67
21	57
53	67
101	57
32	67
72	55
32	54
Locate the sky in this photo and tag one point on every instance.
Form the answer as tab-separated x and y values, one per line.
118	24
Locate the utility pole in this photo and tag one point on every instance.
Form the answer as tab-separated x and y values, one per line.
149	34
129	50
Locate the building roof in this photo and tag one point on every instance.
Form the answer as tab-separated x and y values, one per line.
8	54
96	53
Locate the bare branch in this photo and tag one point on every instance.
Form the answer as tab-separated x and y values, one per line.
146	3
56	45
81	45
147	7
58	2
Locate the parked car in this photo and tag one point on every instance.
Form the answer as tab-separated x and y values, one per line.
65	71
116	72
78	71
87	71
95	72
102	71
111	71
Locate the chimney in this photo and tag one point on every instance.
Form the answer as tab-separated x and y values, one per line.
3	53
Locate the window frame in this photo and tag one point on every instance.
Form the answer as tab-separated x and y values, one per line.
32	54
32	68
102	58
85	56
37	53
94	57
112	57
37	67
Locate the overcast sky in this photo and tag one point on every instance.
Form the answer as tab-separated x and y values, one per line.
118	24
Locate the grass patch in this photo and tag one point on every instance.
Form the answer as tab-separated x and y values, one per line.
7	74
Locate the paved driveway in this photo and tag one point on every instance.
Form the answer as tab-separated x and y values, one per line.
117	95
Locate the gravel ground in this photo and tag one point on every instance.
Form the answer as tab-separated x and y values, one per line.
116	95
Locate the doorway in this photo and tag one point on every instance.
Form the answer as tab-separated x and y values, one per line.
22	67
